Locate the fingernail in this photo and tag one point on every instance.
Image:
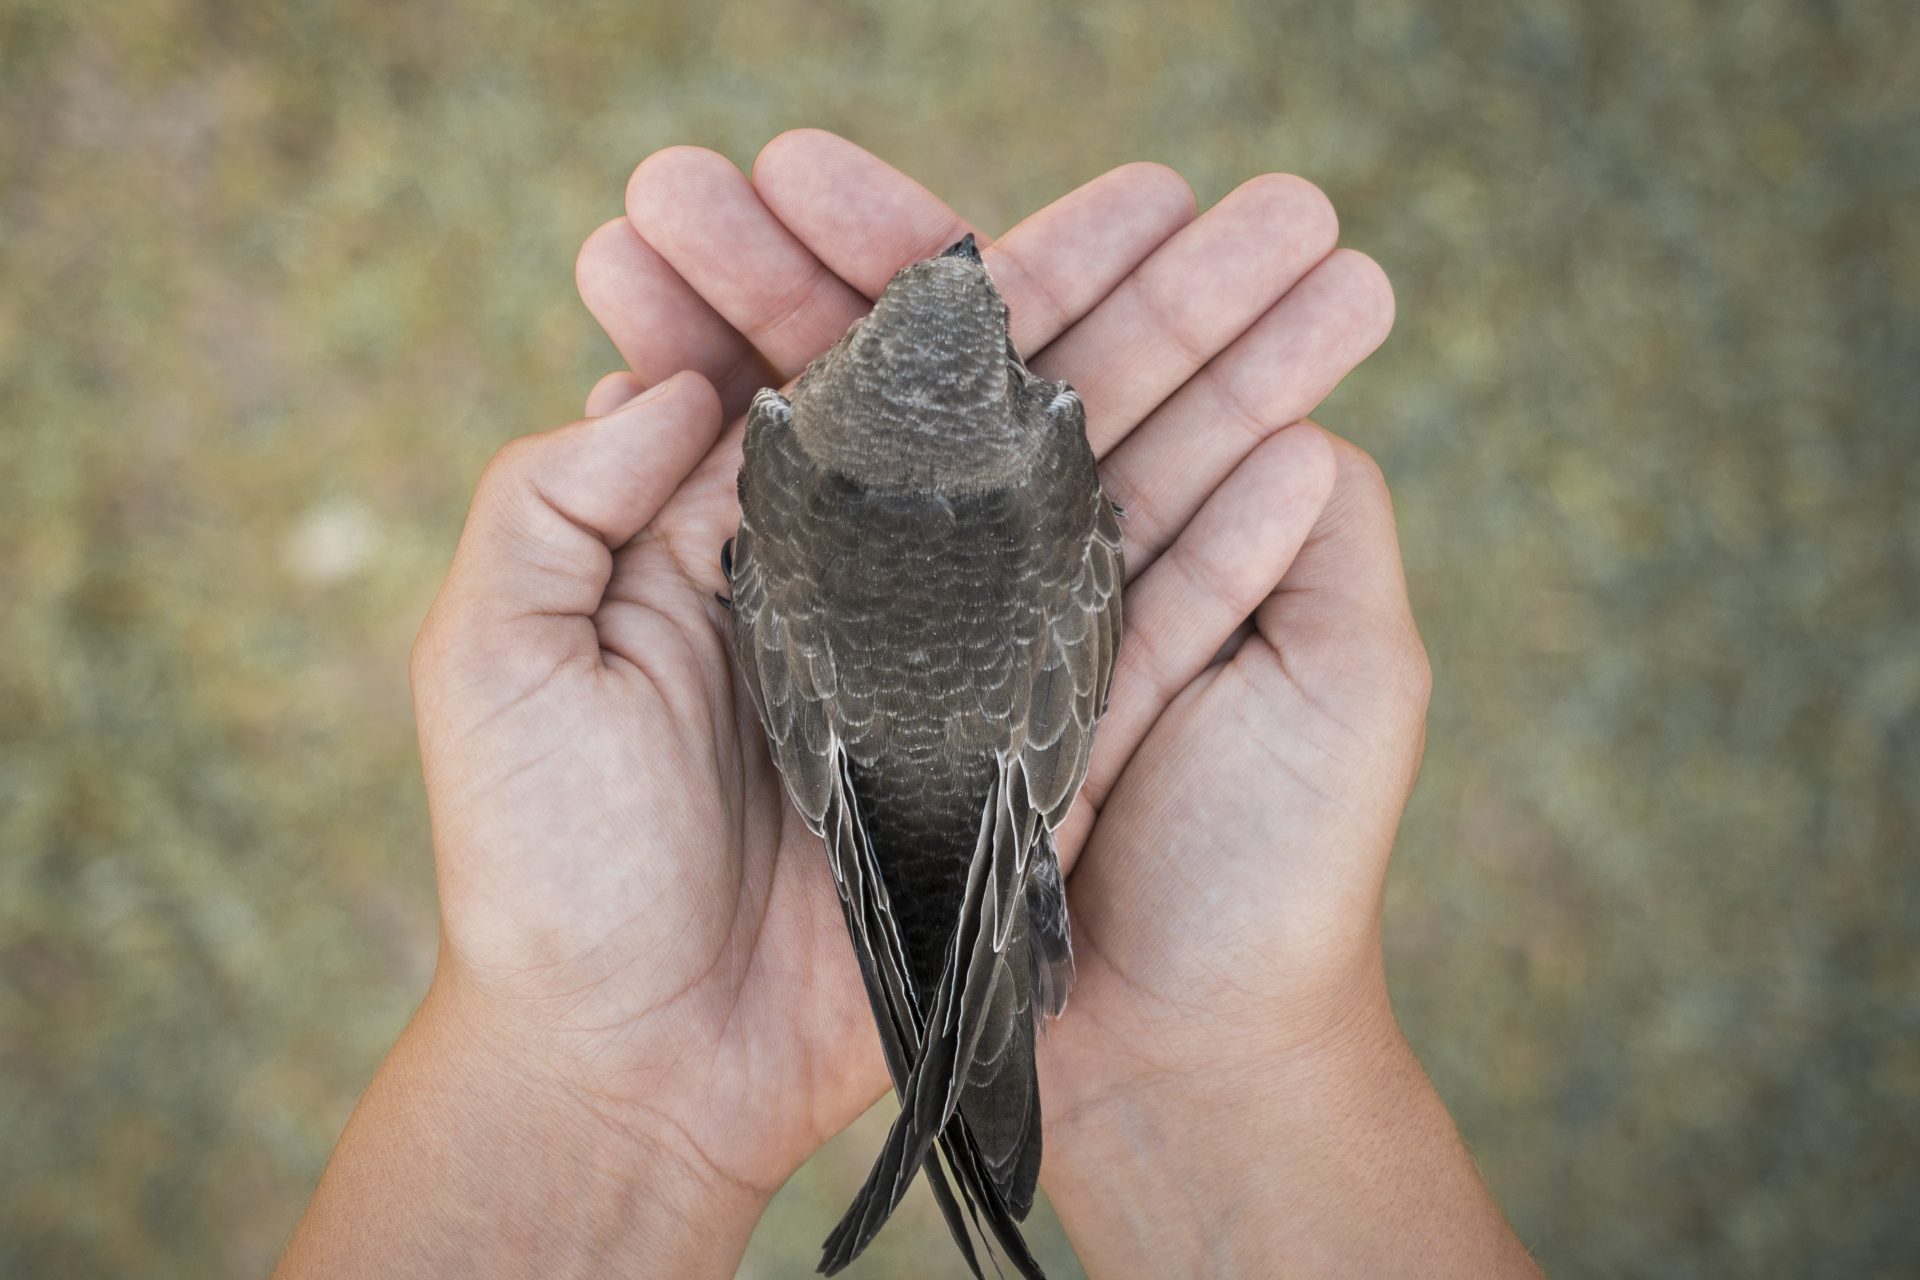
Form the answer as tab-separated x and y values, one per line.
651	393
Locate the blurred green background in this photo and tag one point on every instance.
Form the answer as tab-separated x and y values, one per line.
276	279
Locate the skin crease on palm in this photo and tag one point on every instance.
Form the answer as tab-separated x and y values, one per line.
629	902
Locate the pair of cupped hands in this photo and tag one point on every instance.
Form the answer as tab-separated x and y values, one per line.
638	930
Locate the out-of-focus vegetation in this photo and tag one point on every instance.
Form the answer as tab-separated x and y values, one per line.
275	279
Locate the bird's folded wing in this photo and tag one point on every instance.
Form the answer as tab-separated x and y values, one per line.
1082	578
1070	688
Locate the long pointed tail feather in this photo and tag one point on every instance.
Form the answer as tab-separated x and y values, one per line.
988	1209
972	1088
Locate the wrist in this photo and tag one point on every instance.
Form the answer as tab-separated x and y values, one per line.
1151	1049
1327	1154
1224	1122
632	1181
468	1157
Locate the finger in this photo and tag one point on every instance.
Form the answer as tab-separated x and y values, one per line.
701	516
864	220
1063	261
1272	375
706	220
1340	623
1188	605
611	392
1350	565
1081	245
537	550
658	323
1051	268
1196	294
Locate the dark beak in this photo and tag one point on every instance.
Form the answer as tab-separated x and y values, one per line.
966	248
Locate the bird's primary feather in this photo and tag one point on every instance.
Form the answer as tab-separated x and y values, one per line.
926	592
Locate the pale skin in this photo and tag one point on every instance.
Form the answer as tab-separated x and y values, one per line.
646	1013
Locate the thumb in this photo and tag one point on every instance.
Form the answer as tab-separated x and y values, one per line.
1341	615
537	551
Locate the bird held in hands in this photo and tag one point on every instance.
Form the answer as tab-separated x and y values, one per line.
926	591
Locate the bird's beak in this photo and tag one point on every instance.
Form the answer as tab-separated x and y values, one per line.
963	248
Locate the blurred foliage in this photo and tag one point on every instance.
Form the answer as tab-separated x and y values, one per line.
278	277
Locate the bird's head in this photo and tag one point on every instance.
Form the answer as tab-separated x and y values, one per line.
937	338
922	390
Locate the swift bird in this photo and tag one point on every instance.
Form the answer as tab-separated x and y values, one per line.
926	592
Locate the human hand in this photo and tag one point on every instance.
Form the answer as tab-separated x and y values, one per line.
631	910
646	1013
1268	711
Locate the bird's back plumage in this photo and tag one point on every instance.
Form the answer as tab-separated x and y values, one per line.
928	632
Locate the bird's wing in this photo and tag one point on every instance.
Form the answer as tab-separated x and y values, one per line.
1082	580
1076	661
1062	691
791	680
978	1052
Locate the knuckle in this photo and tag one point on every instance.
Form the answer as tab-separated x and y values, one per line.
506	470
1363	474
1413	674
427	659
